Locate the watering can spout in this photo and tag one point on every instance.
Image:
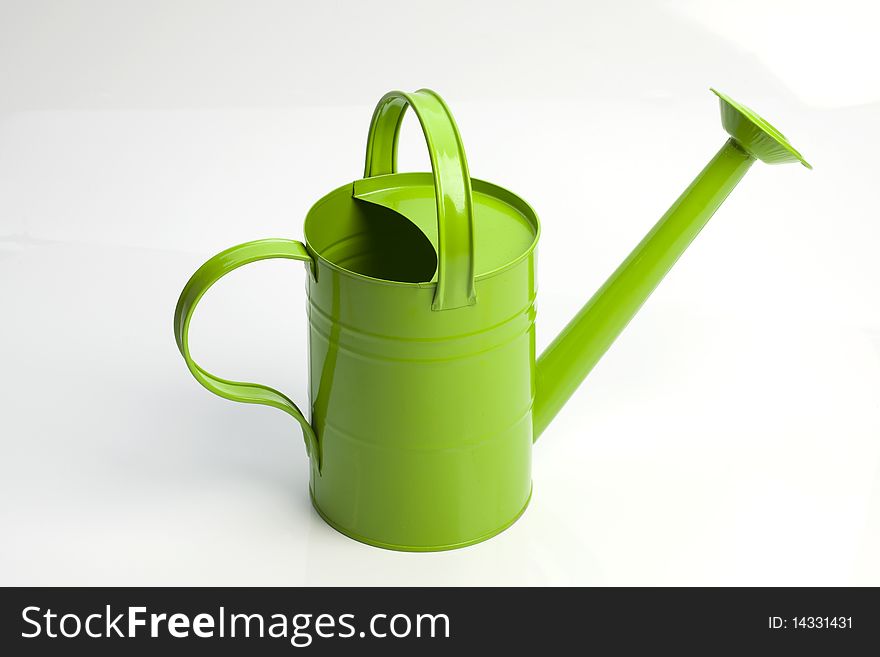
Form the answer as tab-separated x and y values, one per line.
576	350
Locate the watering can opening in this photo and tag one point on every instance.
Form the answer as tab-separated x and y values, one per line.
370	240
385	228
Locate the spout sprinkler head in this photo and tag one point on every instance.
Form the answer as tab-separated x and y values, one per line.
755	134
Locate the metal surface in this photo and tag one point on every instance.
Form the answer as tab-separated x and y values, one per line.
426	393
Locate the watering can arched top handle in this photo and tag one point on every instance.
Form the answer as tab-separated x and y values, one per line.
452	185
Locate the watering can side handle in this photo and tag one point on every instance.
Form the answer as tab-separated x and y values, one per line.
208	274
452	185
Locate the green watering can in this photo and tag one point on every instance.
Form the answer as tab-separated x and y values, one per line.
426	392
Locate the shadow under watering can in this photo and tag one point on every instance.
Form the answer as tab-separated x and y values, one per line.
426	390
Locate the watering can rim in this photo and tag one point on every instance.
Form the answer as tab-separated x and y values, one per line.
426	178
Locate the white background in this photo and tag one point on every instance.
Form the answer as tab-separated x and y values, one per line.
730	436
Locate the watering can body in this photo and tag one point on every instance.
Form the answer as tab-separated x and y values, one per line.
426	391
424	417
